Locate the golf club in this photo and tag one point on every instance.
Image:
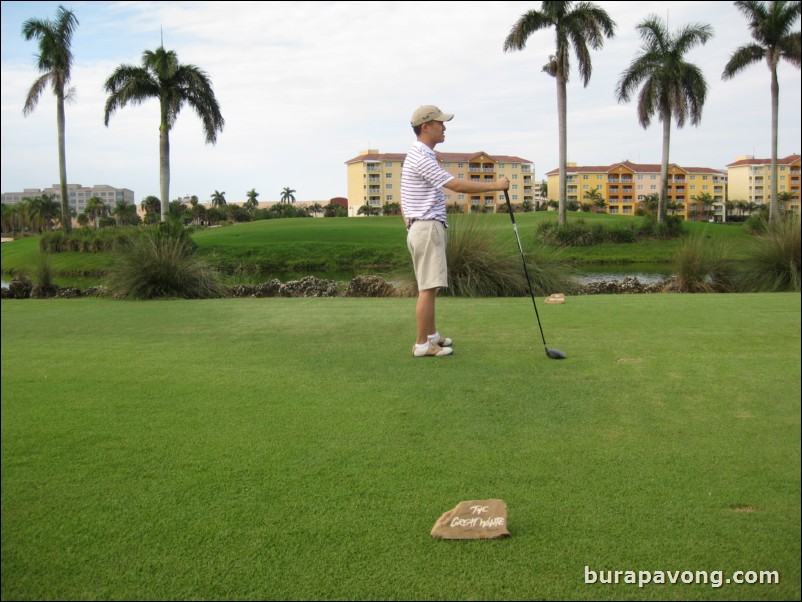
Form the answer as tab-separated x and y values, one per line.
551	353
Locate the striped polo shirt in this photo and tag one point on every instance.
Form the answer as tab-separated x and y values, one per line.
422	181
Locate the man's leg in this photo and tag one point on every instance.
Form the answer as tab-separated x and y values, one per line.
424	314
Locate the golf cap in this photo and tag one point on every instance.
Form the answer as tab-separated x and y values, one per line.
428	113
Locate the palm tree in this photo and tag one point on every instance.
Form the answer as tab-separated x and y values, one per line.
367	210
288	195
770	24
218	199
125	213
152	207
173	84
587	24
55	64
251	204
596	199
95	209
672	87
43	210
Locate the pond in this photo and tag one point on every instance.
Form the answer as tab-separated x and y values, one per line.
646	273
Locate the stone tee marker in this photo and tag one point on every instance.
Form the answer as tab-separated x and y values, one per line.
477	519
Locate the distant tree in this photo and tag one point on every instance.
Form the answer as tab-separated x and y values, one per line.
151	205
585	25
770	24
252	204
43	210
54	61
672	87
596	199
367	210
706	201
334	210
218	199
288	195
125	213
95	209
161	76
391	209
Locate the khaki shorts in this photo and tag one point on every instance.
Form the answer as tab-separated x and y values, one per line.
426	241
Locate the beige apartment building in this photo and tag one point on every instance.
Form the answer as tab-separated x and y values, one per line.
624	185
750	180
78	194
374	179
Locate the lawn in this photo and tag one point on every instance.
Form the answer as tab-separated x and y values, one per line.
294	449
375	244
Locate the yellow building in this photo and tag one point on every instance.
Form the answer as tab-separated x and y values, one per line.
750	180
374	179
623	187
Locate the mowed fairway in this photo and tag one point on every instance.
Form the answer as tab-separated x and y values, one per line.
294	449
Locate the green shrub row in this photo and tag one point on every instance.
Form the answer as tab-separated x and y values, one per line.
579	233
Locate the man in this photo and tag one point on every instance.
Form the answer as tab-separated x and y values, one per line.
423	208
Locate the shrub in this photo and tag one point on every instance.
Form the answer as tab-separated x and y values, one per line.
774	261
161	263
702	267
482	264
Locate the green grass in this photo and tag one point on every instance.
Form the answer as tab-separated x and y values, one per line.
376	244
293	448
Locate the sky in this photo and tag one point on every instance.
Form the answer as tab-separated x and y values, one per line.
305	86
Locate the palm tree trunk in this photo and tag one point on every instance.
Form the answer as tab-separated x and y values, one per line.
562	119
663	200
66	220
164	170
774	209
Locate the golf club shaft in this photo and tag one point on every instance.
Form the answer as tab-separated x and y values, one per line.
523	260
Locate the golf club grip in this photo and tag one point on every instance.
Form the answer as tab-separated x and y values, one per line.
509	205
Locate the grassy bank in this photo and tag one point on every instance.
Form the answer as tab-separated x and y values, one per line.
293	448
375	244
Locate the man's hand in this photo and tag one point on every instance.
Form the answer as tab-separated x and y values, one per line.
503	184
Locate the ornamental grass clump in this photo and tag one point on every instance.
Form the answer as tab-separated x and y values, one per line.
702	267
162	264
774	260
483	264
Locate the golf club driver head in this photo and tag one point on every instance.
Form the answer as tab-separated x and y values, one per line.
555	354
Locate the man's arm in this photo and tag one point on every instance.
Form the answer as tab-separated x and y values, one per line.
468	186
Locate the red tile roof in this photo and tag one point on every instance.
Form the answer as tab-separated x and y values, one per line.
636	167
784	161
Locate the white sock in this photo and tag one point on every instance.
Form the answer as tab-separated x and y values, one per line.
434	338
422	346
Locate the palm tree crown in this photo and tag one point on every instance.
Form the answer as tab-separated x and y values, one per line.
583	26
55	63
770	24
288	195
161	76
672	87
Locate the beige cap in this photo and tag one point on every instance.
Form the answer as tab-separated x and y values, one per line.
428	113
